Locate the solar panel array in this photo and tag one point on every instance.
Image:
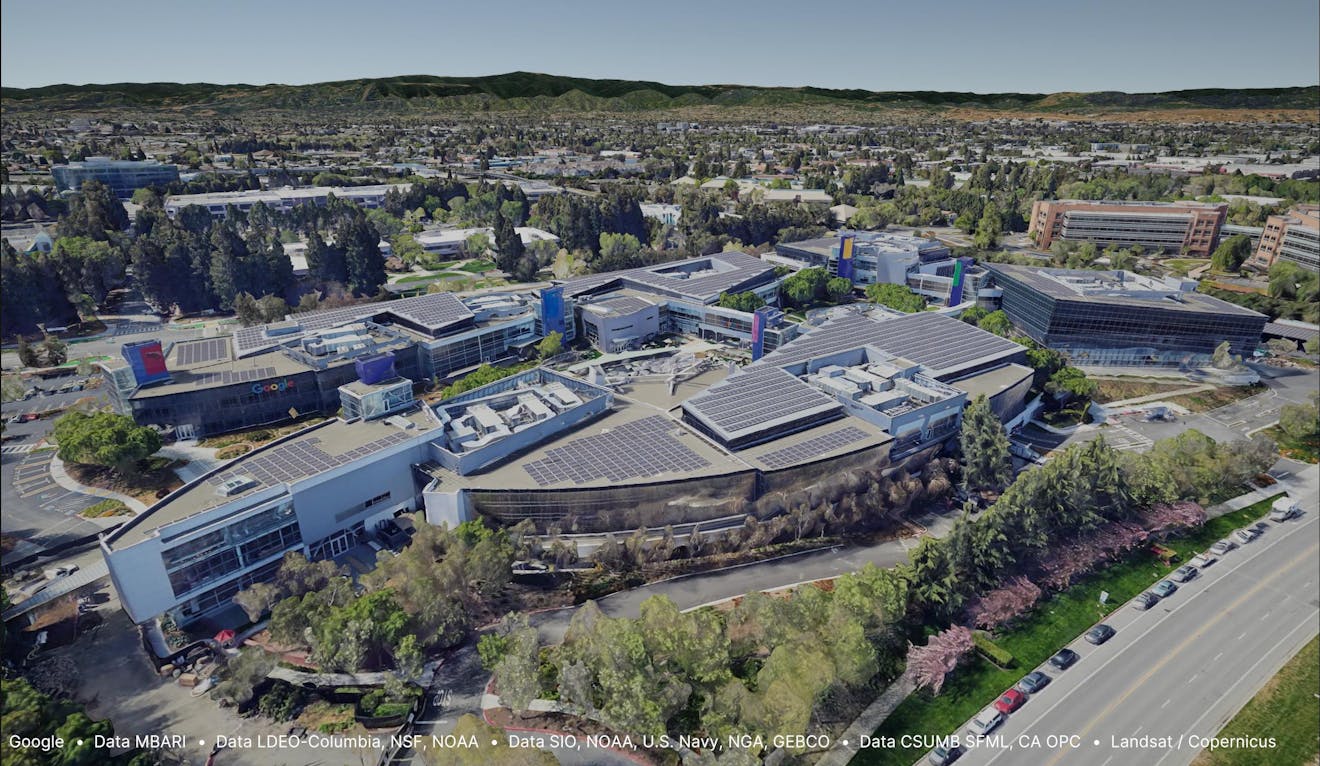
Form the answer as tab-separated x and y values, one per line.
431	311
756	396
202	351
626	304
299	459
813	447
234	376
645	447
934	340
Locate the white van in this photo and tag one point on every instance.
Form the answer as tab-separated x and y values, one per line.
1284	508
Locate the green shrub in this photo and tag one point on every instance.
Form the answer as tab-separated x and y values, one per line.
233	451
992	651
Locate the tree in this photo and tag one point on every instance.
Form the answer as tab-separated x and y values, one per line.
94	212
838	288
897	297
1301	421
476	244
550	345
105	439
364	265
996	322
1004	604
27	355
745	301
973	315
243	673
1069	381
509	248
930	665
1231	253
988	228
989	464
517	673
617	251
247	310
54	351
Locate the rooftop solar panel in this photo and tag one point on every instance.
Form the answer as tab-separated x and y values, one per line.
940	343
758	396
813	447
640	448
300	459
194	352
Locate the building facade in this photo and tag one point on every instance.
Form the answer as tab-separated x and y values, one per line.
1293	236
1118	317
122	176
1187	227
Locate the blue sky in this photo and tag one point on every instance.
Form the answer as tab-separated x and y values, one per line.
964	45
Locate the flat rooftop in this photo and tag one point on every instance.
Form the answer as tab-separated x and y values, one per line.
307	453
433	313
1117	288
992	382
701	279
942	344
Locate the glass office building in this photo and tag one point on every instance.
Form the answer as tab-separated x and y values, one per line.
122	176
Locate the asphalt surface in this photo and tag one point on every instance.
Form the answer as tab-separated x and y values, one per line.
1181	670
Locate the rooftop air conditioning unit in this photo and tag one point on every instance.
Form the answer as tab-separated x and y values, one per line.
233	486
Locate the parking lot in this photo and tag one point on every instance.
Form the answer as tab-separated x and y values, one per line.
39	512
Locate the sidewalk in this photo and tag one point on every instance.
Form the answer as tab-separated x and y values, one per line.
62	478
868	721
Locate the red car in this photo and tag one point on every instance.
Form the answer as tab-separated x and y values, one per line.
1010	700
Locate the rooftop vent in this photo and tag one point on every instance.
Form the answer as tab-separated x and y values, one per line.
231	487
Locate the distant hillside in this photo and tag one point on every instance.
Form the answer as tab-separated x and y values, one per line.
531	91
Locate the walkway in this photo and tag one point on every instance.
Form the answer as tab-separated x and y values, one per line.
62	478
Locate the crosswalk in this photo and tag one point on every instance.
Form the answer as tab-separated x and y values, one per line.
1121	437
17	449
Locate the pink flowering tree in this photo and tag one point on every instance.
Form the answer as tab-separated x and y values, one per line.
931	664
1068	561
1163	517
1004	604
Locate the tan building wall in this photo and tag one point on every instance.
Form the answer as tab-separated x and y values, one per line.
1191	227
1276	233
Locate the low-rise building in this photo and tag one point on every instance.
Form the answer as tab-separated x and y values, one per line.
1187	227
122	176
1291	236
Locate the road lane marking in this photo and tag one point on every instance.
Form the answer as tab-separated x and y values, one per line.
1273	542
1191	729
1166	703
1217	656
1168	657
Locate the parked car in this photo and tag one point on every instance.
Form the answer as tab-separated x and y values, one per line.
1246	535
1164	588
985	722
943	755
1010	700
1064	659
1099	634
1145	601
1033	682
1203	560
1283	509
1222	547
1184	573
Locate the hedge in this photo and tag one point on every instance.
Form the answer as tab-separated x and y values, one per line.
992	651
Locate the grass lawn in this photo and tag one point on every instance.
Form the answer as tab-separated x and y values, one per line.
1203	401
109	507
477	267
1040	634
1118	389
1286	709
1307	449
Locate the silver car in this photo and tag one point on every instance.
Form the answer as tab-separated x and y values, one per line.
985	722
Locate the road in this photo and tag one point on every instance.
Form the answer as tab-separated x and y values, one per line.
1182	669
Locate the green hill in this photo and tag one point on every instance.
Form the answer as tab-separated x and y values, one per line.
542	92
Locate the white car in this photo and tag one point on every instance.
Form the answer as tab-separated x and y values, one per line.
1222	547
1204	560
1246	535
985	722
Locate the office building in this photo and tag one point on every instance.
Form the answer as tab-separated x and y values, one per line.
1177	227
866	257
285	199
702	451
122	176
1292	236
1122	318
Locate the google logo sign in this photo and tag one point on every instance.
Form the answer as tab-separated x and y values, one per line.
274	386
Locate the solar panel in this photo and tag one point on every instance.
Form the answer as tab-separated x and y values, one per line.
229	377
645	447
202	351
758	396
813	447
300	459
934	340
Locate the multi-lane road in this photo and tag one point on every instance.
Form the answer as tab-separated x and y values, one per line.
1177	673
